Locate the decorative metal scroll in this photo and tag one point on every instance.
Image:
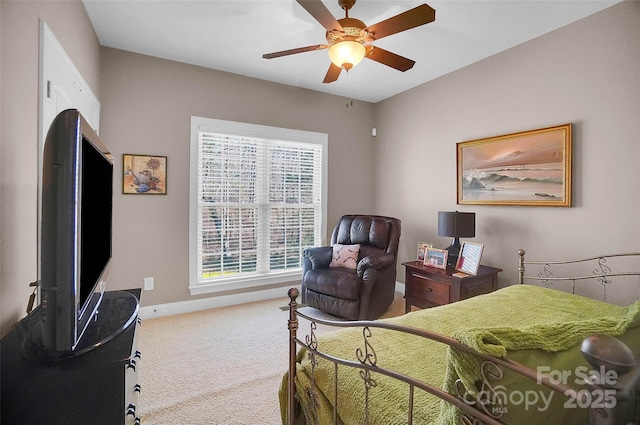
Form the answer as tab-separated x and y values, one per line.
601	272
490	399
311	339
368	357
545	275
312	342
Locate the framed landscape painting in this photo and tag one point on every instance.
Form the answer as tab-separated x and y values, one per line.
530	168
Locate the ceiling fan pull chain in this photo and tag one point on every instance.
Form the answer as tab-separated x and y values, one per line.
350	102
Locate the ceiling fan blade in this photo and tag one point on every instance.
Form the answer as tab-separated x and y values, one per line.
390	59
320	12
332	74
415	17
294	51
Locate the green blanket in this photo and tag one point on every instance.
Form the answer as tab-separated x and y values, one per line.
545	327
550	337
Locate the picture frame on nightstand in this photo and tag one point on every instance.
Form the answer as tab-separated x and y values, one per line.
422	250
436	258
469	258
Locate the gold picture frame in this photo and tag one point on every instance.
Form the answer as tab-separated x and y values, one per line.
144	174
437	258
469	259
530	168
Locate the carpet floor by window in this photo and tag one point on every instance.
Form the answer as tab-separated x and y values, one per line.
220	366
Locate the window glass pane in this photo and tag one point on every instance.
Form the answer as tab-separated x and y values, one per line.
229	240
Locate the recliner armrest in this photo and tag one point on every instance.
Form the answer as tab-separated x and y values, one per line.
317	257
378	262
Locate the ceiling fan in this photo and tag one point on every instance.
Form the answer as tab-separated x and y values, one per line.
350	40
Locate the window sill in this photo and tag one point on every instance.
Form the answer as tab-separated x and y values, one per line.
236	283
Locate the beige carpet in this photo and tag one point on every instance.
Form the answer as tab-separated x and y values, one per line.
219	366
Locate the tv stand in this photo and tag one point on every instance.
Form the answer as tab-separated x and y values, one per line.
96	385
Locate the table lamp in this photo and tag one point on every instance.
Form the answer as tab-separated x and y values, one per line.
456	225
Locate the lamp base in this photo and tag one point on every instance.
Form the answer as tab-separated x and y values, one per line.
453	251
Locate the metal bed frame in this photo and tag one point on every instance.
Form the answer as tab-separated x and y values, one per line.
601	271
599	350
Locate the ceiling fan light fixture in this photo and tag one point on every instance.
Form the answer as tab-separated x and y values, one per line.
346	54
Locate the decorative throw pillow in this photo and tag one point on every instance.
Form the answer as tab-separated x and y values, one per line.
345	256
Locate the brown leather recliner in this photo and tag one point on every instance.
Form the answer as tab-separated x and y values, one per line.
366	292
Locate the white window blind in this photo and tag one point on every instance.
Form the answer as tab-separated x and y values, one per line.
259	201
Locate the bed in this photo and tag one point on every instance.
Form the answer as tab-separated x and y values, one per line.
538	351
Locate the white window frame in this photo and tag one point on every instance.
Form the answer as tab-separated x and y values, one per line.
239	129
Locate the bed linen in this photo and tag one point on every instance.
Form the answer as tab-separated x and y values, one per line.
532	325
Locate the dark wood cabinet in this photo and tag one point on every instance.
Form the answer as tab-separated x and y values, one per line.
429	286
99	387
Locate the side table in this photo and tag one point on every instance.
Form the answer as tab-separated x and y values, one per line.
429	286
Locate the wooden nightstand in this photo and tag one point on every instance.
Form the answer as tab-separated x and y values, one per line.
429	287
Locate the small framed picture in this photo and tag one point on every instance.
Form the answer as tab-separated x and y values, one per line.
422	250
144	174
469	258
436	258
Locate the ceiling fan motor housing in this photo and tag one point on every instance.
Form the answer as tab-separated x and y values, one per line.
352	29
346	4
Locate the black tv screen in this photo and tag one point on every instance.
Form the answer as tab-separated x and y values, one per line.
95	219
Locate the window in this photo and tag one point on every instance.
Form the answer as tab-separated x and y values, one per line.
257	200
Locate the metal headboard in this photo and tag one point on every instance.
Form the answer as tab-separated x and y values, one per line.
596	268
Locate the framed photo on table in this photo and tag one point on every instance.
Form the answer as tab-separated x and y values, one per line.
436	258
422	250
469	258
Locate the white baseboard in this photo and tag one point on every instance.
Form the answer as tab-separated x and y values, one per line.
180	307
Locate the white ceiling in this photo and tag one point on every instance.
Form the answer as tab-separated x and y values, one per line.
232	36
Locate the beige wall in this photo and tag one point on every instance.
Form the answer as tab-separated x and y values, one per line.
147	104
19	132
587	73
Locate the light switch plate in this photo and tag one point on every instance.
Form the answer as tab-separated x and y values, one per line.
148	283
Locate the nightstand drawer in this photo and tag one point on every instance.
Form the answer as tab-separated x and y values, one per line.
425	289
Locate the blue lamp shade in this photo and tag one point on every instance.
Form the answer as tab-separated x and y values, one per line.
456	225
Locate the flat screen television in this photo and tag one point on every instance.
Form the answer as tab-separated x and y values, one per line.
76	229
